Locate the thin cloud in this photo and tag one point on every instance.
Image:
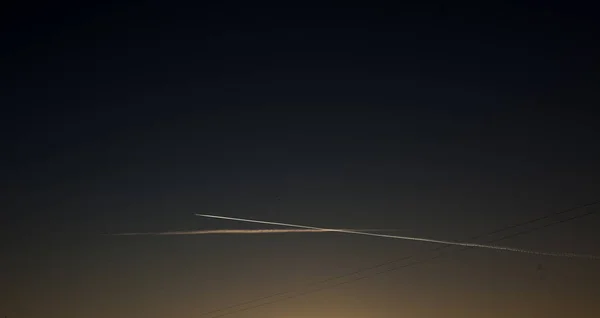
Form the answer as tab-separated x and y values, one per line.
238	231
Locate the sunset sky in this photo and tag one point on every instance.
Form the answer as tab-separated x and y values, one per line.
434	121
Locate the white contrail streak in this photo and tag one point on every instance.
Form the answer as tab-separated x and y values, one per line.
494	247
256	231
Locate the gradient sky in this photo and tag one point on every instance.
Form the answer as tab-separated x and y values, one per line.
441	122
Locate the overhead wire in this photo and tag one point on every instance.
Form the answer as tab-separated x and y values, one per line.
295	294
411	238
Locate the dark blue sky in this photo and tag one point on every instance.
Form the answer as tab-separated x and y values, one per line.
439	120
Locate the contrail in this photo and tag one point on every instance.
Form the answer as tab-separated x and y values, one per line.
494	247
257	231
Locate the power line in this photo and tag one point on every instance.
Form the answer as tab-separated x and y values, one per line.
410	257
409	238
392	269
365	269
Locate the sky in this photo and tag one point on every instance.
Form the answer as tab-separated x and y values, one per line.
432	120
